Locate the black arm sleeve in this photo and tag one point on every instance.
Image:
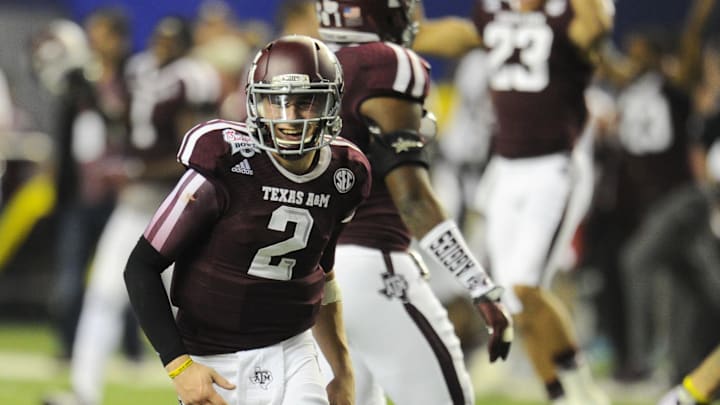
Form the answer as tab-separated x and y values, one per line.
149	301
388	151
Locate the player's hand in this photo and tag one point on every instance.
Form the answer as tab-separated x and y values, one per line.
500	327
341	390
194	386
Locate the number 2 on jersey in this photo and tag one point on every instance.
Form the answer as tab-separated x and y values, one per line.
533	41
261	265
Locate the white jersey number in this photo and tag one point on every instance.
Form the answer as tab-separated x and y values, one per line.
281	217
532	41
328	9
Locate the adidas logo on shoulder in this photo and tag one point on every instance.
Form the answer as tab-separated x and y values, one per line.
243	168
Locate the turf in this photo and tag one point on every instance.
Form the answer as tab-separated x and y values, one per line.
31	393
34	373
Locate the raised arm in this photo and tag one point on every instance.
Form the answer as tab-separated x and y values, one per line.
593	22
687	71
591	32
446	37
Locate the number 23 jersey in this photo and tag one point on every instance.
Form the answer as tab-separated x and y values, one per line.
537	77
250	240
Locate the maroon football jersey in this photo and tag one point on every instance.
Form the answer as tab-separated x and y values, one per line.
537	77
378	69
250	240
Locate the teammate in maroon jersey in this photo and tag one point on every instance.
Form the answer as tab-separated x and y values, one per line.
382	111
542	55
252	228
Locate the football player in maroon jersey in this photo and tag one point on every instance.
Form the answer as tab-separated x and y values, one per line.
382	111
251	229
542	56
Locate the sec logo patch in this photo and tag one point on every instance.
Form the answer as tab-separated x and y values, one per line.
344	180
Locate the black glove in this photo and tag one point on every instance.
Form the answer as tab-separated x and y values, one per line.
500	327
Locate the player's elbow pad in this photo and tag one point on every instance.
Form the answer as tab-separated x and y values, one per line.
388	151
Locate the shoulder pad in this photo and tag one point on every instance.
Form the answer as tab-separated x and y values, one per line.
343	142
209	146
351	152
384	68
354	159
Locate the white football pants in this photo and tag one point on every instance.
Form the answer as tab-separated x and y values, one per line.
533	207
286	373
401	340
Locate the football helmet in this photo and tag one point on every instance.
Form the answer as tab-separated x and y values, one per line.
357	21
293	90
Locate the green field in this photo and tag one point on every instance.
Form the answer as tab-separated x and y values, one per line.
28	372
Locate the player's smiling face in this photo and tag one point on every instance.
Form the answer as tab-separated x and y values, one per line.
295	121
294	117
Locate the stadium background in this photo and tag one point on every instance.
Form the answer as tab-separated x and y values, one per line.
26	344
24	268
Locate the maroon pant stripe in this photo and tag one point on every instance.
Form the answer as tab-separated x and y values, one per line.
442	354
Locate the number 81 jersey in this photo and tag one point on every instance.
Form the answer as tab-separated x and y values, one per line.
250	240
537	76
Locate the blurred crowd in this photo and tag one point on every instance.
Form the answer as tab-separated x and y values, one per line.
644	264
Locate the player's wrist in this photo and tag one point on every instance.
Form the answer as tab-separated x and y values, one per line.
446	245
689	385
492	295
178	365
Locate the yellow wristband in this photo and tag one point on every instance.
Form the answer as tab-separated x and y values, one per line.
180	368
692	389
